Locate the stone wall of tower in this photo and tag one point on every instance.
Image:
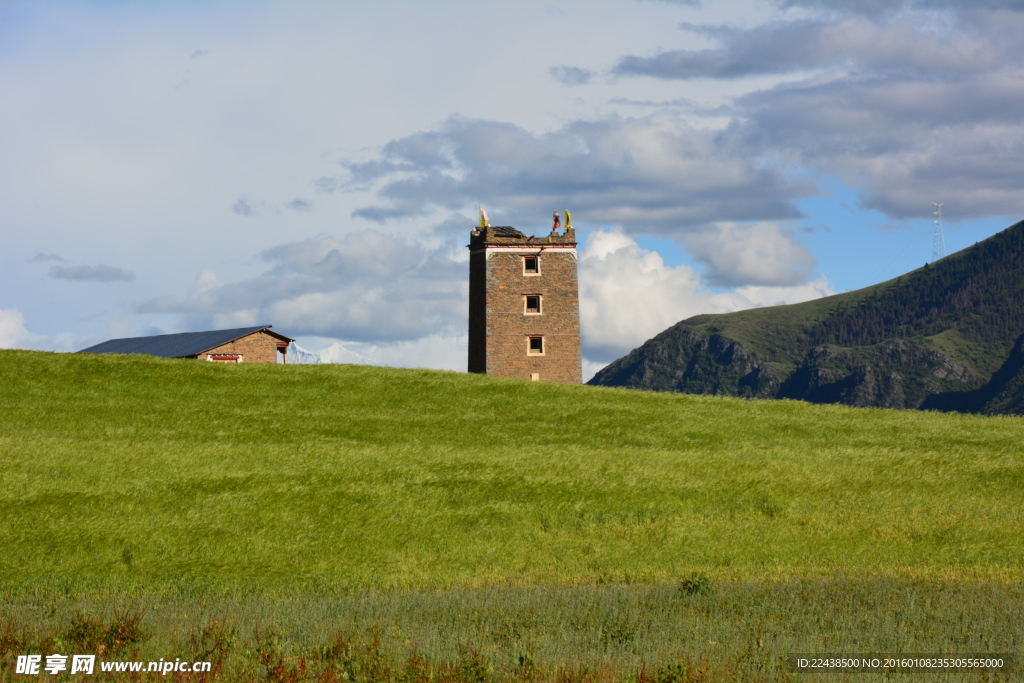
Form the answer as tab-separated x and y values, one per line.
500	326
478	311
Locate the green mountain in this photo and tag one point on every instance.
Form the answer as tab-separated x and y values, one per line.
1003	394
947	336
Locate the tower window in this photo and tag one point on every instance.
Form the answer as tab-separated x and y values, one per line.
531	265
536	346
533	304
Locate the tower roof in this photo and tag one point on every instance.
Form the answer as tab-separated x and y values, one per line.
506	235
506	231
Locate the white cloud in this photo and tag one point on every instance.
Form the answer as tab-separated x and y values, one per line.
14	335
438	351
571	75
628	295
758	254
98	273
819	44
299	204
756	297
435	351
909	102
591	368
12	329
655	174
335	352
46	257
364	287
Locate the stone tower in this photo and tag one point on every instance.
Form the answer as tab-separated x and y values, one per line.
524	311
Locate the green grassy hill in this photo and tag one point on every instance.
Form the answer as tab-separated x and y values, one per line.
295	523
946	328
135	469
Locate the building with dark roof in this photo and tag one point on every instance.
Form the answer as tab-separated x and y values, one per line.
242	345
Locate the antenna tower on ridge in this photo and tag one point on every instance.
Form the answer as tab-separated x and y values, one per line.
938	244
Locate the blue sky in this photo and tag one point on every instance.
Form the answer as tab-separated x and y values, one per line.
317	165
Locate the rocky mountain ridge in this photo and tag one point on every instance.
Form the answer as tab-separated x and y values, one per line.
947	336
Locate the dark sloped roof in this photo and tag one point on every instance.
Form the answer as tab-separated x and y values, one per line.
506	231
178	345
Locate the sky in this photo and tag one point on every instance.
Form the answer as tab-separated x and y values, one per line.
317	166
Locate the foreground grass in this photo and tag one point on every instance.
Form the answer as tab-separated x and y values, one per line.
694	631
123	472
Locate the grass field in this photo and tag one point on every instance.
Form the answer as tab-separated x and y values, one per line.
725	631
283	497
